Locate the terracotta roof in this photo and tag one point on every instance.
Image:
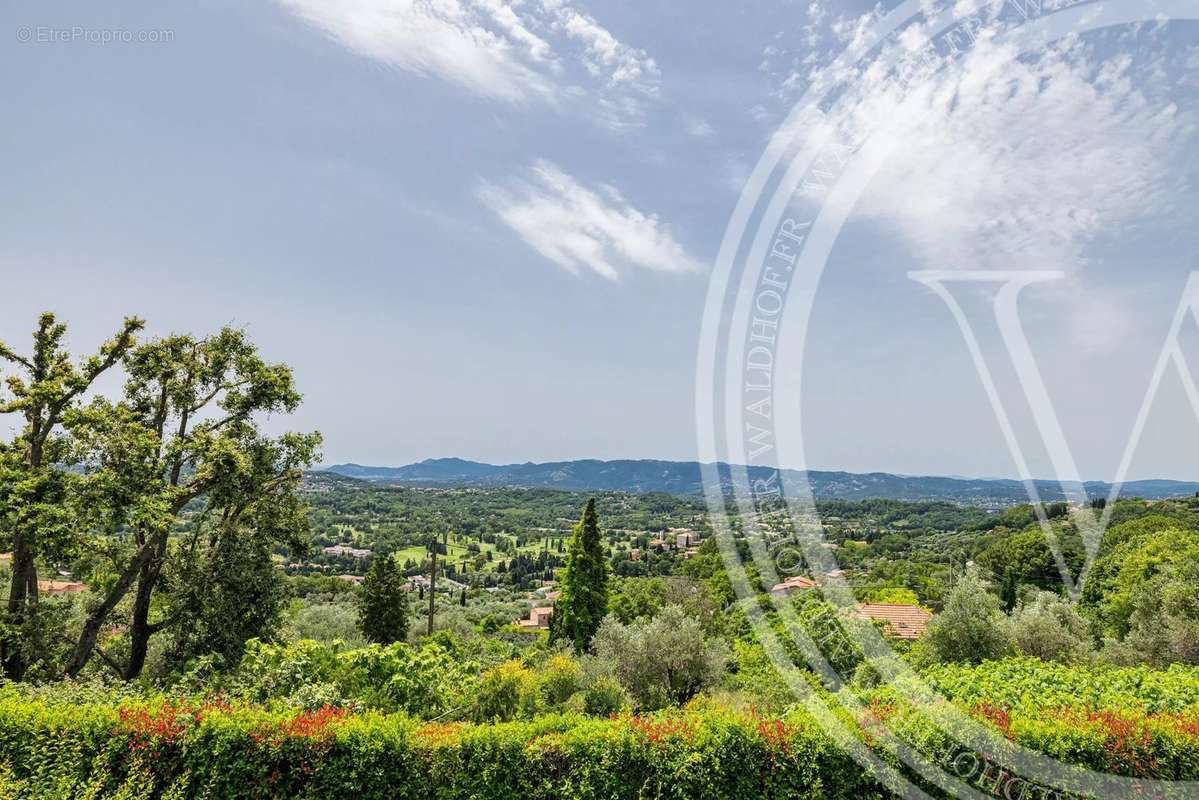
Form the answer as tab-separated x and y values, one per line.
903	621
60	587
794	582
538	618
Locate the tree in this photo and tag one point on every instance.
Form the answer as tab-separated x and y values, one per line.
1137	562
1029	558
584	600
183	433
1010	591
1050	629
34	476
970	628
223	589
1143	597
383	604
899	595
663	661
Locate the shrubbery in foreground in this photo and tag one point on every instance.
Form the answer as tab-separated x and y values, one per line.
75	741
176	749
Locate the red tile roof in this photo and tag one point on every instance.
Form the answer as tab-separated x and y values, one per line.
903	621
794	582
60	587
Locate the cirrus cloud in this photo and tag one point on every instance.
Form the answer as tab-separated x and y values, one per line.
575	226
505	50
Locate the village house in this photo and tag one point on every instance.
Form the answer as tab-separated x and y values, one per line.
686	539
444	584
539	619
354	579
345	550
795	582
901	620
823	578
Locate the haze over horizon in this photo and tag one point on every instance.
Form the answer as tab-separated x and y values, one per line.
327	464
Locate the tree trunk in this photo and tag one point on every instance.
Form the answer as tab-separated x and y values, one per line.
140	629
86	645
22	598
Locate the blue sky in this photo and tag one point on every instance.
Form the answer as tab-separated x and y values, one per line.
484	228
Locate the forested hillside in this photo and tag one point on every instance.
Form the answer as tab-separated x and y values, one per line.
688	478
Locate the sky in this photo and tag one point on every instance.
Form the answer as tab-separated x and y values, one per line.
486	228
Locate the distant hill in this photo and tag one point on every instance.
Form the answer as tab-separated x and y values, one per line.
684	478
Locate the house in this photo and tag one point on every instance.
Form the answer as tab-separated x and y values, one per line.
354	579
657	544
60	587
635	554
791	584
685	539
903	621
444	584
343	550
539	619
832	575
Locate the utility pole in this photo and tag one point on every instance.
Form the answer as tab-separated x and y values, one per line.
435	547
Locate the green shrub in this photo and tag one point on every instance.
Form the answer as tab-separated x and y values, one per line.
161	749
604	697
559	679
1031	683
428	681
504	692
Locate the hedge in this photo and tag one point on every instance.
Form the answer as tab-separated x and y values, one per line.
179	749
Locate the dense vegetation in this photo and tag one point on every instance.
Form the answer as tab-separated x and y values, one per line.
191	613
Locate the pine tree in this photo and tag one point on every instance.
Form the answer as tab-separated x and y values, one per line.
383	605
584	599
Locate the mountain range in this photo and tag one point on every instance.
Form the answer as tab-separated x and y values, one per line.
685	478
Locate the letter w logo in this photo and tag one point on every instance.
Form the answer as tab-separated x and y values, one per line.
1090	524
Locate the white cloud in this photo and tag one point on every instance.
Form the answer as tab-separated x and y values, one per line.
515	51
575	226
1010	162
700	128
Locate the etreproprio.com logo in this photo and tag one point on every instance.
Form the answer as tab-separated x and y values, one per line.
762	289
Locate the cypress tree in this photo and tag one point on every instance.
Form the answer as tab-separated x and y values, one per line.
383	604
584	599
1009	593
